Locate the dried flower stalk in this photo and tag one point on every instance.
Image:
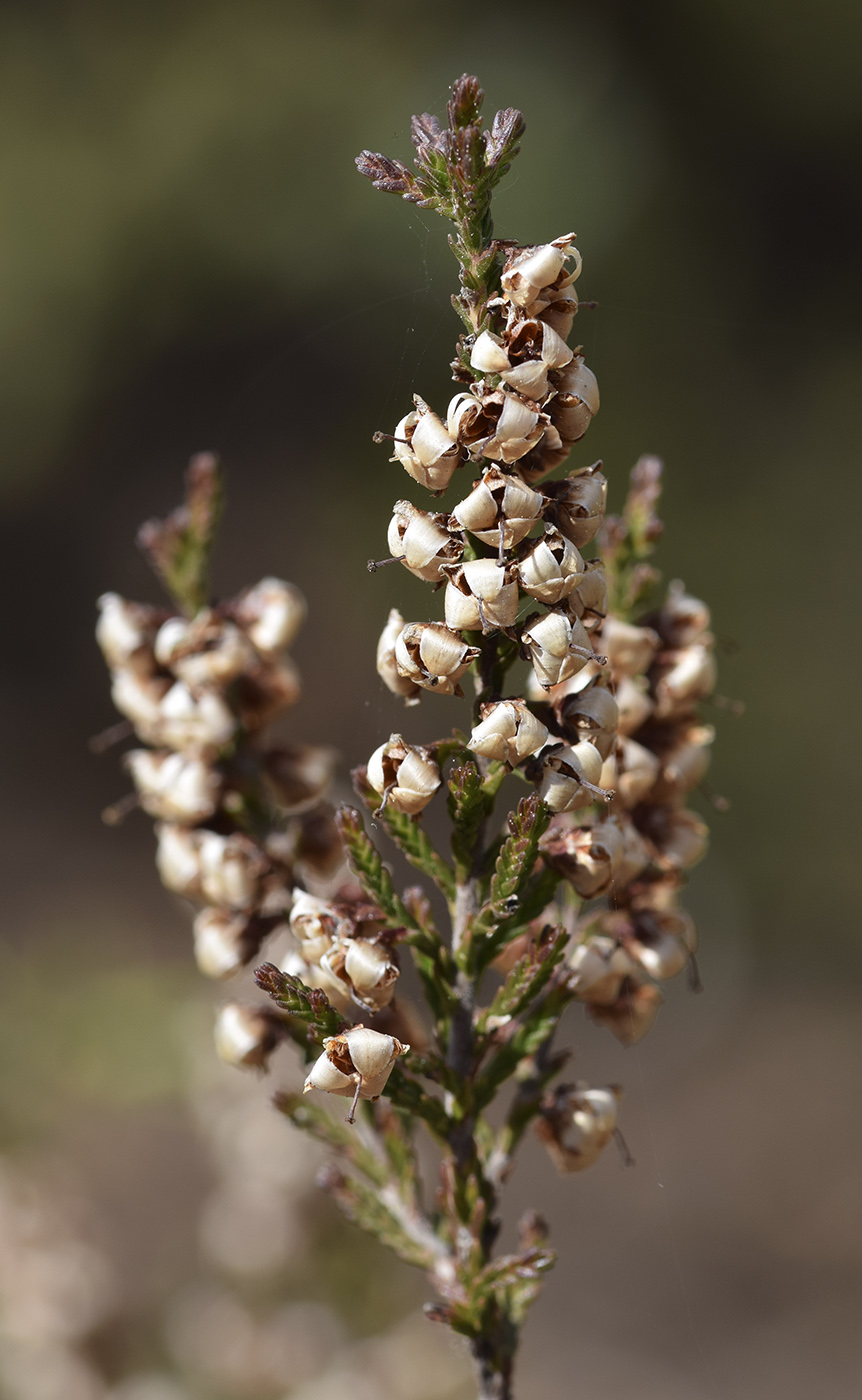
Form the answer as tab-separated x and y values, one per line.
576	899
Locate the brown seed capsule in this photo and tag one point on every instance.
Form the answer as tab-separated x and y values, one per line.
501	500
633	703
681	678
575	402
584	856
558	647
499	425
629	649
590	714
420	539
633	1013
576	1124
365	968
589	601
569	777
433	657
262	694
508	731
662	942
271	613
387	667
576	505
425	449
405	776
678	835
298	775
598	969
550	568
480	596
246	1036
175	787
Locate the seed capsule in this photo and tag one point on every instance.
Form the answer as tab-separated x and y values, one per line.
662	942
684	764
508	731
637	770
590	714
231	869
633	703
125	633
500	501
298	775
480	595
576	401
178	859
629	649
425	449
633	1013
174	787
598	969
194	721
246	1036
365	968
576	505
387	667
420	539
681	678
679	836
405	776
550	568
499	425
315	925
576	1125
355	1064
264	692
139	698
682	620
569	777
271	613
589	601
205	651
224	941
431	656
558	646
530	272
489	355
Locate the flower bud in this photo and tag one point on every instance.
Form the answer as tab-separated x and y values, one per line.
569	777
575	403
558	646
405	776
589	601
178	859
126	632
590	714
499	501
425	449
480	596
629	649
246	1036
419	538
387	668
633	703
224	941
175	787
271	613
231	869
598	969
139	698
367	970
205	651
550	568
188	721
576	1125
298	775
314	924
507	731
637	771
529	271
682	620
433	657
681	678
576	505
633	1013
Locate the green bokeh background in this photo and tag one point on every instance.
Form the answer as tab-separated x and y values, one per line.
189	260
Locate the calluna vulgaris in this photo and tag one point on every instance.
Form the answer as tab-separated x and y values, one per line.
572	897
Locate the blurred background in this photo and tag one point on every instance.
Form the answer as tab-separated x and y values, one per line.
188	260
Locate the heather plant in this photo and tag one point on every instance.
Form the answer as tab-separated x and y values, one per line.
570	834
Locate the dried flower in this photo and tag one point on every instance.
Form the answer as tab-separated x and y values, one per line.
507	731
245	1036
576	506
421	540
406	776
550	568
425	449
577	1123
558	647
271	613
499	502
387	667
569	777
480	595
176	787
433	657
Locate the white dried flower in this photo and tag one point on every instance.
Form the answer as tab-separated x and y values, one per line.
139	698
570	777
629	649
420	539
355	1064
425	449
387	668
489	355
577	504
365	968
576	401
178	859
558	647
637	770
405	776
314	924
205	651
592	714
175	787
231	869
633	703
578	1125
245	1036
480	595
501	500
598	968
222	942
508	731
589	601
663	942
592	858
433	657
550	568
680	837
682	678
271	613
194	721
530	271
125	632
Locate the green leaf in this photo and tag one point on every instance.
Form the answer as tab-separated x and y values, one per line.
513	869
469	806
363	1205
341	1137
524	1040
409	835
367	864
529	976
305	1004
179	547
409	1096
